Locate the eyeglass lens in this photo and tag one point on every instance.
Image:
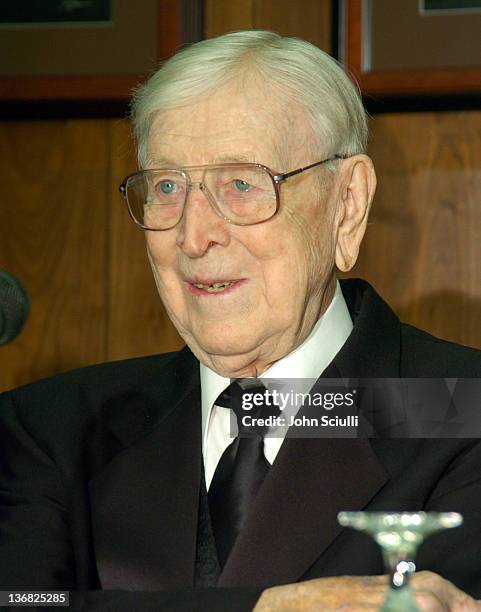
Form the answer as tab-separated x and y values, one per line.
244	195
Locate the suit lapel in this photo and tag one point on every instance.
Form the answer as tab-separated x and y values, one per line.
144	503
294	518
374	347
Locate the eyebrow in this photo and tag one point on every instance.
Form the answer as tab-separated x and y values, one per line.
218	159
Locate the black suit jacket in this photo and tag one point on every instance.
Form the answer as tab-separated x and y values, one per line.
100	475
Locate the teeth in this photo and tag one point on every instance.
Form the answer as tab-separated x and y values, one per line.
215	287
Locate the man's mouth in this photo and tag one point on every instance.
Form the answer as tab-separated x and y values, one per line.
207	286
214	287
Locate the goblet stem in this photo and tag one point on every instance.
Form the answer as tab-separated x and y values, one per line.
399	597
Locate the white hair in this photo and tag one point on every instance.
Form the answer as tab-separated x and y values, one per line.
298	70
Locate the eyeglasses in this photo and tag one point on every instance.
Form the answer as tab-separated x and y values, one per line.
242	194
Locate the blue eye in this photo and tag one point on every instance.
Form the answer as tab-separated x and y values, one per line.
168	187
242	185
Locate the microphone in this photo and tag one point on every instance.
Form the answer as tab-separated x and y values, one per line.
14	307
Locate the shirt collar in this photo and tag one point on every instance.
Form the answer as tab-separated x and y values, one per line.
308	360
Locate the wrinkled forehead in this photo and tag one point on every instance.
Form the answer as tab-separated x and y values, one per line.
227	125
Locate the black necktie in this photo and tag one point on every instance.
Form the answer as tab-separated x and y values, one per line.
240	471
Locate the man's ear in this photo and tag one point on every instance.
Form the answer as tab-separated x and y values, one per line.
358	185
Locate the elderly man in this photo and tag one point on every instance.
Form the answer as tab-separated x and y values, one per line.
254	188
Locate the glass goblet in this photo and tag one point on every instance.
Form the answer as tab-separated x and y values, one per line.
399	534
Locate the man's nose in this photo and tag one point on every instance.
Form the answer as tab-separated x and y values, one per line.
200	227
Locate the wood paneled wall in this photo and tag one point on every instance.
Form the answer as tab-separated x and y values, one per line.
422	249
65	234
308	19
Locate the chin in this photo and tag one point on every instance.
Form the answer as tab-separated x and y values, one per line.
223	348
216	340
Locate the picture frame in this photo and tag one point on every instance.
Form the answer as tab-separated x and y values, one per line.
178	22
355	50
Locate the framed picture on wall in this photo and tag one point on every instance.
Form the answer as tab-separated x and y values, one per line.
430	47
88	49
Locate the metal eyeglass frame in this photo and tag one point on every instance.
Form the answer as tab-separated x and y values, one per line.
277	179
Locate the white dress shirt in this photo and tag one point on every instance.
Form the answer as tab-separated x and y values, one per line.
308	360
